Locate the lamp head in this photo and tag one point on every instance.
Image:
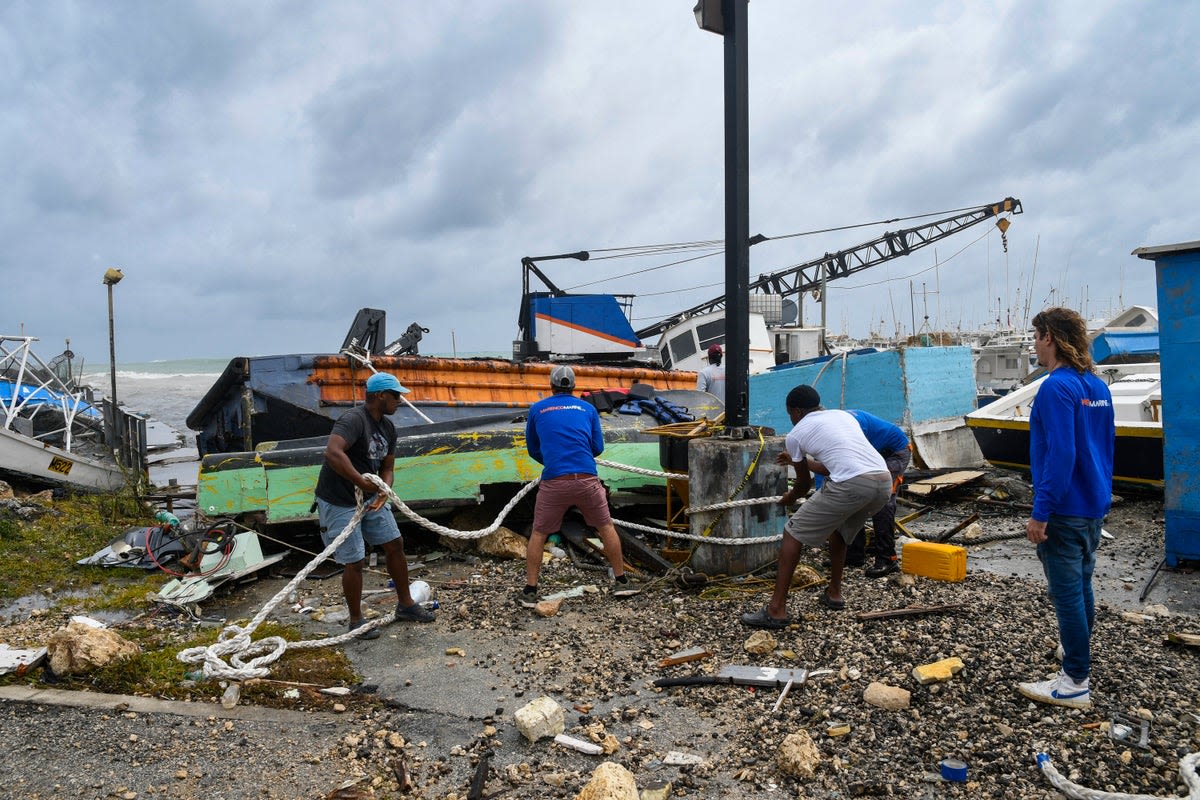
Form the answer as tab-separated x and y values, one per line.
112	276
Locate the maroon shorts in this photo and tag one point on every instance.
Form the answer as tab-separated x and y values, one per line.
556	495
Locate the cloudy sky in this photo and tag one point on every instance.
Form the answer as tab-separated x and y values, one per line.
261	170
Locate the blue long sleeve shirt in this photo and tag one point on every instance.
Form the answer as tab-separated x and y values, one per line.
563	434
1072	432
885	437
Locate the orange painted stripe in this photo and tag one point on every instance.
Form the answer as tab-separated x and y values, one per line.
588	331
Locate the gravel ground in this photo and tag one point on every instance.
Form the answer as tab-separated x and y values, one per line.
441	713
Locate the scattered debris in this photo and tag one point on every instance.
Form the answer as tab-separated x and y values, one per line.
966	523
798	755
579	745
82	647
938	483
907	611
889	698
610	781
542	717
1185	639
938	671
685	656
677	758
760	643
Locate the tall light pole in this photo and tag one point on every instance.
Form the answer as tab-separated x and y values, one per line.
112	277
728	19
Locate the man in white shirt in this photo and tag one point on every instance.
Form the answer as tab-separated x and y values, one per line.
857	484
711	379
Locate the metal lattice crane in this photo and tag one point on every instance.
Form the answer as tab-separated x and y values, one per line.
831	266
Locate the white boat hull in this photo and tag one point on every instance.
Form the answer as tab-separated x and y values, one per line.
32	460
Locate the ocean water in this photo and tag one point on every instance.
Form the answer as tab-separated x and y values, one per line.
165	391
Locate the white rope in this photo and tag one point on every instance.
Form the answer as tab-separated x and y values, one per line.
249	659
236	656
442	529
1187	771
366	362
682	476
697	538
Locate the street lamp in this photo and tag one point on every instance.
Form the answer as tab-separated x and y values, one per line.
112	277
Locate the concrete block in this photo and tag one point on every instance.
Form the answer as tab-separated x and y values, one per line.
938	671
543	717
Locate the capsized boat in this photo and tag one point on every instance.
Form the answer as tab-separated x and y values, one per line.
275	398
51	433
1002	427
924	390
465	462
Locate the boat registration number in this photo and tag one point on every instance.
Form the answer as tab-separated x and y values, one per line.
60	465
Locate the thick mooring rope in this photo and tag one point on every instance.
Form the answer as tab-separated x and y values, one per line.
1187	771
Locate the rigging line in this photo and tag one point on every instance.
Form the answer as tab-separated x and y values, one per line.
644	271
699	243
868	224
681	291
935	265
643	253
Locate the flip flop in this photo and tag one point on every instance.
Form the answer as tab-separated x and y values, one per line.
830	603
763	619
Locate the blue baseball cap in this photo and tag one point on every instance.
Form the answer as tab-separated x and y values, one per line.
384	382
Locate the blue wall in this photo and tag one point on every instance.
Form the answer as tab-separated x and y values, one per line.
1178	279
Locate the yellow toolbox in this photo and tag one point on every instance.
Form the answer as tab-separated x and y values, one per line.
942	562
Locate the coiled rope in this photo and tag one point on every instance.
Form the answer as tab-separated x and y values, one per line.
1187	771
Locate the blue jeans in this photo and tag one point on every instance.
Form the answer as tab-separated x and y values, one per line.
1068	558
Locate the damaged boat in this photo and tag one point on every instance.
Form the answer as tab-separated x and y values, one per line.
52	432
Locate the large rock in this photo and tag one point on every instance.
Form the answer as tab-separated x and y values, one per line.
503	544
610	781
891	698
760	643
80	648
798	756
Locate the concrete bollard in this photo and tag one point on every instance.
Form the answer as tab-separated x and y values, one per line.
717	467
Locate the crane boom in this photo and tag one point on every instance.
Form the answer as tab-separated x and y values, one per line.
804	277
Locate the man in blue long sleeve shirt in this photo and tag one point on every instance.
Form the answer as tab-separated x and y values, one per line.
1072	432
891	443
563	435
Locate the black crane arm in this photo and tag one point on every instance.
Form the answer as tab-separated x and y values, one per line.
893	244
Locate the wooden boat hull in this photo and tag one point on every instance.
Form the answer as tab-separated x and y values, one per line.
275	398
451	464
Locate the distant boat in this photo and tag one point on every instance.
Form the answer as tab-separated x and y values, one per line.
51	433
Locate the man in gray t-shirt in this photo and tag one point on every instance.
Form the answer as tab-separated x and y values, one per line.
364	441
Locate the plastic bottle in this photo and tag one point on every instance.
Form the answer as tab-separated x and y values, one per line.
167	518
233	693
419	591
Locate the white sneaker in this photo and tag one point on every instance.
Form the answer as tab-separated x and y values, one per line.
1061	690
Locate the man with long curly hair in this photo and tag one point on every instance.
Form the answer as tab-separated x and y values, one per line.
1072	432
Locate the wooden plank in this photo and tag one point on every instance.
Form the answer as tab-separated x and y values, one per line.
907	611
684	656
928	486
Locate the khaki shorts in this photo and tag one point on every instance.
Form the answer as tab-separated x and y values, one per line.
840	507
